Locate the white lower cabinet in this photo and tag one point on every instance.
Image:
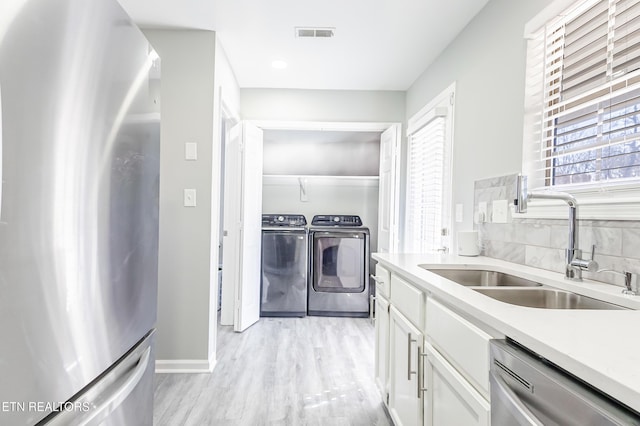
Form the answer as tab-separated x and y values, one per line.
382	346
449	398
431	363
405	395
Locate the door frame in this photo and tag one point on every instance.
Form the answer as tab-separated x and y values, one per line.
347	126
332	126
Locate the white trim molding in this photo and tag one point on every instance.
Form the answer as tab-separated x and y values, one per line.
185	365
351	126
431	110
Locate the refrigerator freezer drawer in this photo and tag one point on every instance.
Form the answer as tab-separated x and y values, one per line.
122	396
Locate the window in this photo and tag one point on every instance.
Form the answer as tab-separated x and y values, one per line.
428	176
586	66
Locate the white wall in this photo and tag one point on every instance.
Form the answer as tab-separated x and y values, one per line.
322	105
487	62
325	195
194	74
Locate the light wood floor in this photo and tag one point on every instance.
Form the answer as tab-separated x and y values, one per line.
281	371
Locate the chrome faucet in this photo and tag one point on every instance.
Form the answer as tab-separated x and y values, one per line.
574	264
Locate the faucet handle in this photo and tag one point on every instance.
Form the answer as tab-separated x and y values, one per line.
586	264
592	265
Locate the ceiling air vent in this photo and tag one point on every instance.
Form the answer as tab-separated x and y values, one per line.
306	32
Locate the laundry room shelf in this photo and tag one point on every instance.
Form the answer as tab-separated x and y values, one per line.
321	180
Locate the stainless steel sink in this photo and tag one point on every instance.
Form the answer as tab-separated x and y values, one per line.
545	298
484	278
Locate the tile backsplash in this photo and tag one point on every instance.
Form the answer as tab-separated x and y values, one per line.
541	243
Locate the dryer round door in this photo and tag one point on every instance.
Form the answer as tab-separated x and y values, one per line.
339	262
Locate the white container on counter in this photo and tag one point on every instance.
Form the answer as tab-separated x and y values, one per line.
468	243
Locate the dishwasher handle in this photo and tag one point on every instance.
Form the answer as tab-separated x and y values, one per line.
516	407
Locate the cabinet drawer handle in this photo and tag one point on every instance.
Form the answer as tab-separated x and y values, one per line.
372	317
422	358
409	341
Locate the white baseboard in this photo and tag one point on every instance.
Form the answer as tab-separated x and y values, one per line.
185	365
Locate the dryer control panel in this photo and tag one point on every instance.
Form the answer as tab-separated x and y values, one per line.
336	220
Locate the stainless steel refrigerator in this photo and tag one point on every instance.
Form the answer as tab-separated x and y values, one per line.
79	150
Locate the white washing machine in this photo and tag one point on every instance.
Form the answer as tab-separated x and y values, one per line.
338	267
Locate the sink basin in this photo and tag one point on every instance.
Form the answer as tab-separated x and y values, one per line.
545	298
484	278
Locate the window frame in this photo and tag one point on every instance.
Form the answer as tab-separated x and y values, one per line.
598	200
442	105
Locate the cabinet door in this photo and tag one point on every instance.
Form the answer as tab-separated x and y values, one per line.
449	398
382	346
405	396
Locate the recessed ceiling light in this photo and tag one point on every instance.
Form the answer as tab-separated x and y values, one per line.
279	64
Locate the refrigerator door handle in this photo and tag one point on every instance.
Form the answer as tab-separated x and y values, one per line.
109	401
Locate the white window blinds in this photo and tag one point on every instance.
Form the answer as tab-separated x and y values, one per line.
588	122
426	174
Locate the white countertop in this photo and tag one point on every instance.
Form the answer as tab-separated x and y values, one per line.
602	347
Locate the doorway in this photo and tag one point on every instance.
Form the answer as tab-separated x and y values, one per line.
232	299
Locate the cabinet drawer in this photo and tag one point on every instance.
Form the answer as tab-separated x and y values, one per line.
408	300
464	345
451	400
383	281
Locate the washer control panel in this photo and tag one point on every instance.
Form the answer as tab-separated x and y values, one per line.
292	220
336	220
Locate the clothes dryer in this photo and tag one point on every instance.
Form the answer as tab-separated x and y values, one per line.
338	266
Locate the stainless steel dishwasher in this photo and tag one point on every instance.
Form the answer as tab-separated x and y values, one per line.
528	390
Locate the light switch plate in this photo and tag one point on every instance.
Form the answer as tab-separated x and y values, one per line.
189	197
191	151
499	211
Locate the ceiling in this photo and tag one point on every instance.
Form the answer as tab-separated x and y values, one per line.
378	44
